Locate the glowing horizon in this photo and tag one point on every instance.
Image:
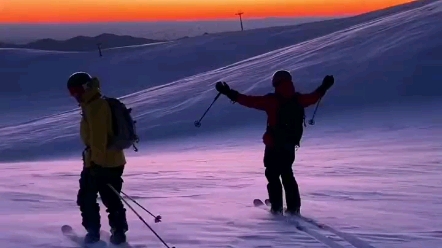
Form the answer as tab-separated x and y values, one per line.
50	11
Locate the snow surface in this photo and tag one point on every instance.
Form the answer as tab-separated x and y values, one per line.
370	167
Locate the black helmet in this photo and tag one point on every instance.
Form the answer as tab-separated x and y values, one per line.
281	76
78	79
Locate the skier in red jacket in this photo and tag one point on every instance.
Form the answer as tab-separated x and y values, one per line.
285	122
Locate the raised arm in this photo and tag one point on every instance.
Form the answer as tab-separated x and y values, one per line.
309	99
256	102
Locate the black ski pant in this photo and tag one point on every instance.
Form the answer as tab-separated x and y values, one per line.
278	161
94	180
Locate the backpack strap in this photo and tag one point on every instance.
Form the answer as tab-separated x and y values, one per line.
271	95
135	148
108	99
83	114
97	96
297	95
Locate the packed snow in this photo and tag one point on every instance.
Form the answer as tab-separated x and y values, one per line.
370	167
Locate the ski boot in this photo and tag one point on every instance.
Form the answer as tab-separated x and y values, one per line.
294	211
276	211
92	236
118	237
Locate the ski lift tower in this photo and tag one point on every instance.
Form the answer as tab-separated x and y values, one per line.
99	50
240	13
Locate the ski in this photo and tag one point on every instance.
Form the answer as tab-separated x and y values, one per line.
293	219
353	240
69	233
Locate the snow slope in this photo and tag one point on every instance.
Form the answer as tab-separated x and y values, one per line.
381	185
127	70
392	59
369	168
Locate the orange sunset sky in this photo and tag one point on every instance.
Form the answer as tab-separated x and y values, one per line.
45	11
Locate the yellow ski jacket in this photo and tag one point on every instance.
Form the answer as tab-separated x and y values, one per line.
95	129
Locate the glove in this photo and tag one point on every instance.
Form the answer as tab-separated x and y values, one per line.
327	82
224	88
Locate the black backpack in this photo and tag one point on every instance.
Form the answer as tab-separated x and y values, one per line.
123	126
290	121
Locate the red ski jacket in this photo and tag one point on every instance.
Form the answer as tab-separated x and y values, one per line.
269	103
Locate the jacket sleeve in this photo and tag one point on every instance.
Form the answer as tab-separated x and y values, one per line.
309	99
255	102
98	119
84	131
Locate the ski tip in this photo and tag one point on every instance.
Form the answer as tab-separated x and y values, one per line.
66	228
267	202
258	202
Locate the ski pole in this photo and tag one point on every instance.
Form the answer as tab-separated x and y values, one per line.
312	120
198	122
139	216
157	218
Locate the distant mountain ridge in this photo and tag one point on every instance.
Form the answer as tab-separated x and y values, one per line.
83	43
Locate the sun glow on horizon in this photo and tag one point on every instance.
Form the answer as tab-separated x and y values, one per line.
47	11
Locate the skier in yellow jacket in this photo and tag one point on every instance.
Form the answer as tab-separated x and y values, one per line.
101	166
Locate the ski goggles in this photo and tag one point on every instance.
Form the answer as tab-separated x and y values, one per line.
77	91
278	82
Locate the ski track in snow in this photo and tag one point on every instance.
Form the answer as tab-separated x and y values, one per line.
370	168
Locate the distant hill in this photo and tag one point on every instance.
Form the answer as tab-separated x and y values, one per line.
83	43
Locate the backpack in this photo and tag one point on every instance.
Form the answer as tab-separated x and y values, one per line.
123	126
290	121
